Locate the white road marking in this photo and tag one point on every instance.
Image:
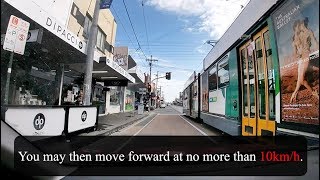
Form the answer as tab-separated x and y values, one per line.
169	114
145	125
132	125
124	144
203	133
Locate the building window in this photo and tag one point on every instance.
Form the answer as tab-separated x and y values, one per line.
213	78
87	27
101	38
223	72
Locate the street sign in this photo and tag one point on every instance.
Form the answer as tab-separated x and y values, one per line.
143	89
16	35
105	4
33	36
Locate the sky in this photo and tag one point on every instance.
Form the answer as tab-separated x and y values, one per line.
174	32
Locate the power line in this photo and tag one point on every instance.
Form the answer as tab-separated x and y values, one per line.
122	25
133	28
145	25
118	17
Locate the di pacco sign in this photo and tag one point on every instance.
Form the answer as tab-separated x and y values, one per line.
16	35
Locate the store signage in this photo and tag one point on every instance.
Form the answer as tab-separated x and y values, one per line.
81	118
39	15
117	68
16	35
84	116
116	83
121	57
39	121
62	32
35	35
36	121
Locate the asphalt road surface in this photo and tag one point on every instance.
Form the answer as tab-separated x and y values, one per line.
168	122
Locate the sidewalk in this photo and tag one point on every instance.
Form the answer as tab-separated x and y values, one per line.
111	123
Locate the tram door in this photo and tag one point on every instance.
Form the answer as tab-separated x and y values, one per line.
258	86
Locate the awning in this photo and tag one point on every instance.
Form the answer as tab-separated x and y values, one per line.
137	74
136	86
108	70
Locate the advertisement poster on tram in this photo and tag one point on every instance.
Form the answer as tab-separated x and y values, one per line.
296	26
205	91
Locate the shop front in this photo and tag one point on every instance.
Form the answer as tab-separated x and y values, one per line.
42	89
114	80
134	91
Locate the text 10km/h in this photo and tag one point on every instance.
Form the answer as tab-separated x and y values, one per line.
280	157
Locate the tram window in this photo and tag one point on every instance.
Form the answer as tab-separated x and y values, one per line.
270	75
213	78
223	72
251	77
244	83
261	79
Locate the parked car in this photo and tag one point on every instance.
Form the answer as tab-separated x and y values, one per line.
162	105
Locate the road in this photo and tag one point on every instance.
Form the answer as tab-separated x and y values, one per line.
170	121
167	121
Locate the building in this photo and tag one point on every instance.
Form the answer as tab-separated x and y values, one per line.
110	76
43	77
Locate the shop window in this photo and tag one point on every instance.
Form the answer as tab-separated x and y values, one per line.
213	78
101	39
87	27
223	72
129	101
114	96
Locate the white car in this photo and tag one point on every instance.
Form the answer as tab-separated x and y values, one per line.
162	105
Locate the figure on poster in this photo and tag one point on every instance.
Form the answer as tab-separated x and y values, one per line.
303	39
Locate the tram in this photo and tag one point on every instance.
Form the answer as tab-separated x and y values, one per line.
262	76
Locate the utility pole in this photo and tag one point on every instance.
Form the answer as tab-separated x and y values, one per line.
150	64
157	89
90	53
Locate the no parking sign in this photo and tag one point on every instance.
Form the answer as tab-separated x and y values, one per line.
16	35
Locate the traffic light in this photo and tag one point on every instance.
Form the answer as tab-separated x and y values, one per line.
168	75
149	87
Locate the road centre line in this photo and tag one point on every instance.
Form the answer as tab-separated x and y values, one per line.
125	143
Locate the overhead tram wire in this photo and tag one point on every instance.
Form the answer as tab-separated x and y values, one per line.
133	29
145	25
118	17
122	25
